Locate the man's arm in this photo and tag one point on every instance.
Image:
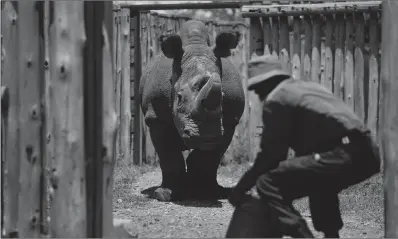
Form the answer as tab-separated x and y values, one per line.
274	145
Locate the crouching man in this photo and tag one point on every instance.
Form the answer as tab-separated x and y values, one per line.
333	150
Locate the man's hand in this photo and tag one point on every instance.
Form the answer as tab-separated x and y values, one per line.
237	198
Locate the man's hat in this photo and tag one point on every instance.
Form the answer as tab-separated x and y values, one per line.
263	68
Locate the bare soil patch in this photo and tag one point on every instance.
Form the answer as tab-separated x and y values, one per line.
362	207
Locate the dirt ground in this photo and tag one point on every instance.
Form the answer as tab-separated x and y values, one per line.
362	208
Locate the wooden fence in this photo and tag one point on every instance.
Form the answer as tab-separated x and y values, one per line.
58	119
335	44
145	28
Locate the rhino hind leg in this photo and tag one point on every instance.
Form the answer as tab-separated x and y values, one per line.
171	160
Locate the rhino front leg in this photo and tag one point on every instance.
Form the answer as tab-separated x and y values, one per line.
202	182
202	167
167	145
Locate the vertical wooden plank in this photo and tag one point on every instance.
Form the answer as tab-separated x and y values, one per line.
275	36
359	67
211	30
389	114
150	52
143	40
323	52
159	30
316	48
329	51
109	123
255	122
373	92
256	36
118	82
267	35
170	25
154	36
68	180
349	62
296	53
284	46
125	113
93	116
47	141
137	154
306	74
5	101
338	88
9	31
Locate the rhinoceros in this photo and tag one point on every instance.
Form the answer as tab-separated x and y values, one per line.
192	99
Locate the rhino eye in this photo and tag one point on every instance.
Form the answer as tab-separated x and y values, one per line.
179	98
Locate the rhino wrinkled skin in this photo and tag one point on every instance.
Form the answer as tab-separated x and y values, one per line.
192	98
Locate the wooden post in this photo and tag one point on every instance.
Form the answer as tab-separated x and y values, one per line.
93	114
47	141
329	46
339	33
374	81
284	48
125	110
109	123
359	66
118	78
307	49
30	117
267	35
5	103
349	62
316	49
9	30
137	154
255	110
296	52
389	114
275	36
68	176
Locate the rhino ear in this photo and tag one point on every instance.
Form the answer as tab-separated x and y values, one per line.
225	41
171	46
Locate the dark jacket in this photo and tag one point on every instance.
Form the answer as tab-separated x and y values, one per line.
299	115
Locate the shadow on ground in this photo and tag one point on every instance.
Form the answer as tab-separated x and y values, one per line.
149	192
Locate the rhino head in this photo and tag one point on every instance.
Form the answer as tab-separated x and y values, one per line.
197	75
